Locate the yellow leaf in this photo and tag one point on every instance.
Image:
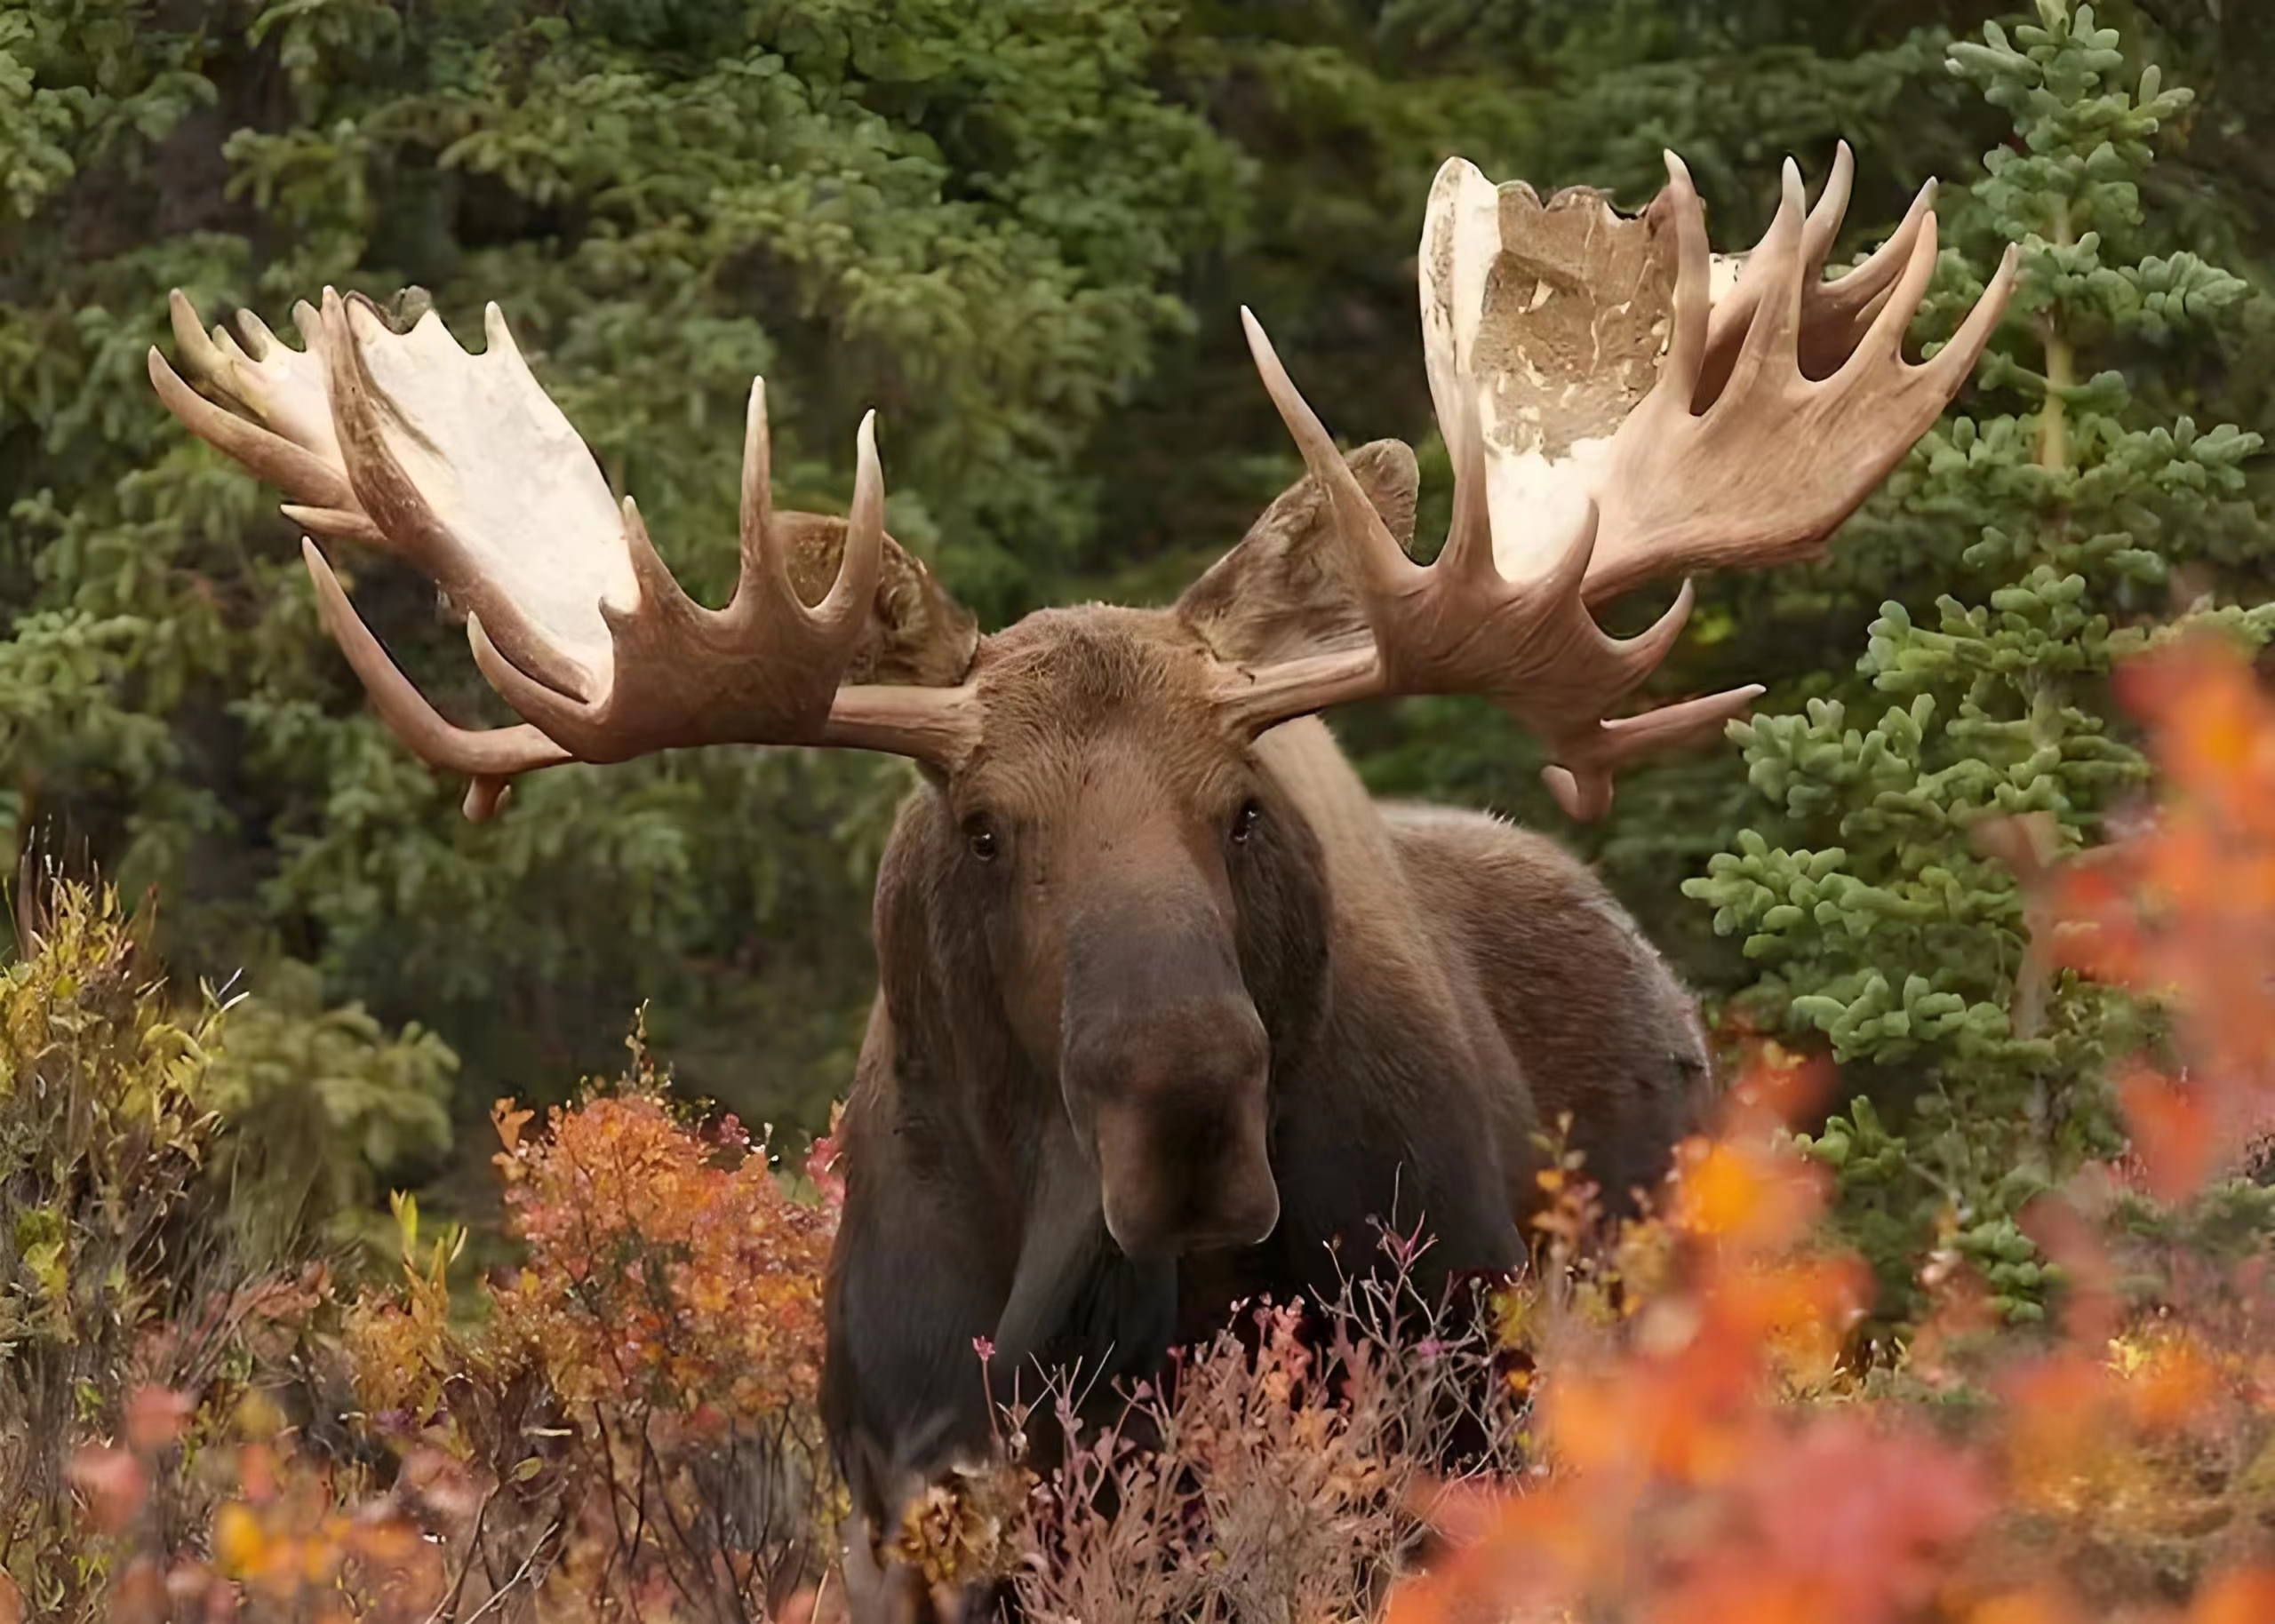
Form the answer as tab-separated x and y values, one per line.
239	1544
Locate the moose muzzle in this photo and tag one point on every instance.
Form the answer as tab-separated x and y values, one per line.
1177	1114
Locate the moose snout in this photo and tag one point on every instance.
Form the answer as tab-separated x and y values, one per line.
1175	1098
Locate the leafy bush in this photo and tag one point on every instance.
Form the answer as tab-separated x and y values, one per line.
1282	1469
101	1138
631	1406
187	1422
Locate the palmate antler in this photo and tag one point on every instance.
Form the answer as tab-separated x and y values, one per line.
461	465
1611	421
1620	404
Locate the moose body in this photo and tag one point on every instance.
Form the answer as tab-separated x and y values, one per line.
1376	1009
1169	1009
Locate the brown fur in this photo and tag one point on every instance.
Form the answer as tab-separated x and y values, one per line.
1148	1026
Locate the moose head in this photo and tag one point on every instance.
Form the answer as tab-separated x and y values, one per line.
1620	406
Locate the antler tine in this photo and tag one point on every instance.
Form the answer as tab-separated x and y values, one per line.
257	330
494	757
1854	295
1772	339
931	724
1368	546
760	557
1833	314
861	562
764	584
1582	783
1734	311
492	754
199	351
269	456
1469	533
1691	342
1883	340
1955	363
340	524
1831	205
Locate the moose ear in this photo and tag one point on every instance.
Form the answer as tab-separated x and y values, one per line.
918	636
1281	591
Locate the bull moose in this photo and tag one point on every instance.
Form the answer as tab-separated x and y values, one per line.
1169	1007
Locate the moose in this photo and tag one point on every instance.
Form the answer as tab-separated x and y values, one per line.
1169	1009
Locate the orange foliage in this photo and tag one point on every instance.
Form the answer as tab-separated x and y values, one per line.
2184	909
1682	1490
654	1271
281	1541
625	1429
1688	1488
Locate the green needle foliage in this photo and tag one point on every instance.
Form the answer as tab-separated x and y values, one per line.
1881	906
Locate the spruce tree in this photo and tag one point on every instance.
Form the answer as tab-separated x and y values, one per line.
1878	904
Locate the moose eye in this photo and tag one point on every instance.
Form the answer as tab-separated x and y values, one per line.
980	838
1244	822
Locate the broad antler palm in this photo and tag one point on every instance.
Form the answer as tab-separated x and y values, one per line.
462	466
1611	422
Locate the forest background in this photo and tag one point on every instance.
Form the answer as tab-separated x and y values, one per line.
1022	232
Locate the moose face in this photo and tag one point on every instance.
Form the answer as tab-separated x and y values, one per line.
1138	880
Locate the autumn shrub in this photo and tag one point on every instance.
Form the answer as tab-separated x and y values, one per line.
142	1244
1282	1469
624	1420
1723	1457
621	1424
107	1279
